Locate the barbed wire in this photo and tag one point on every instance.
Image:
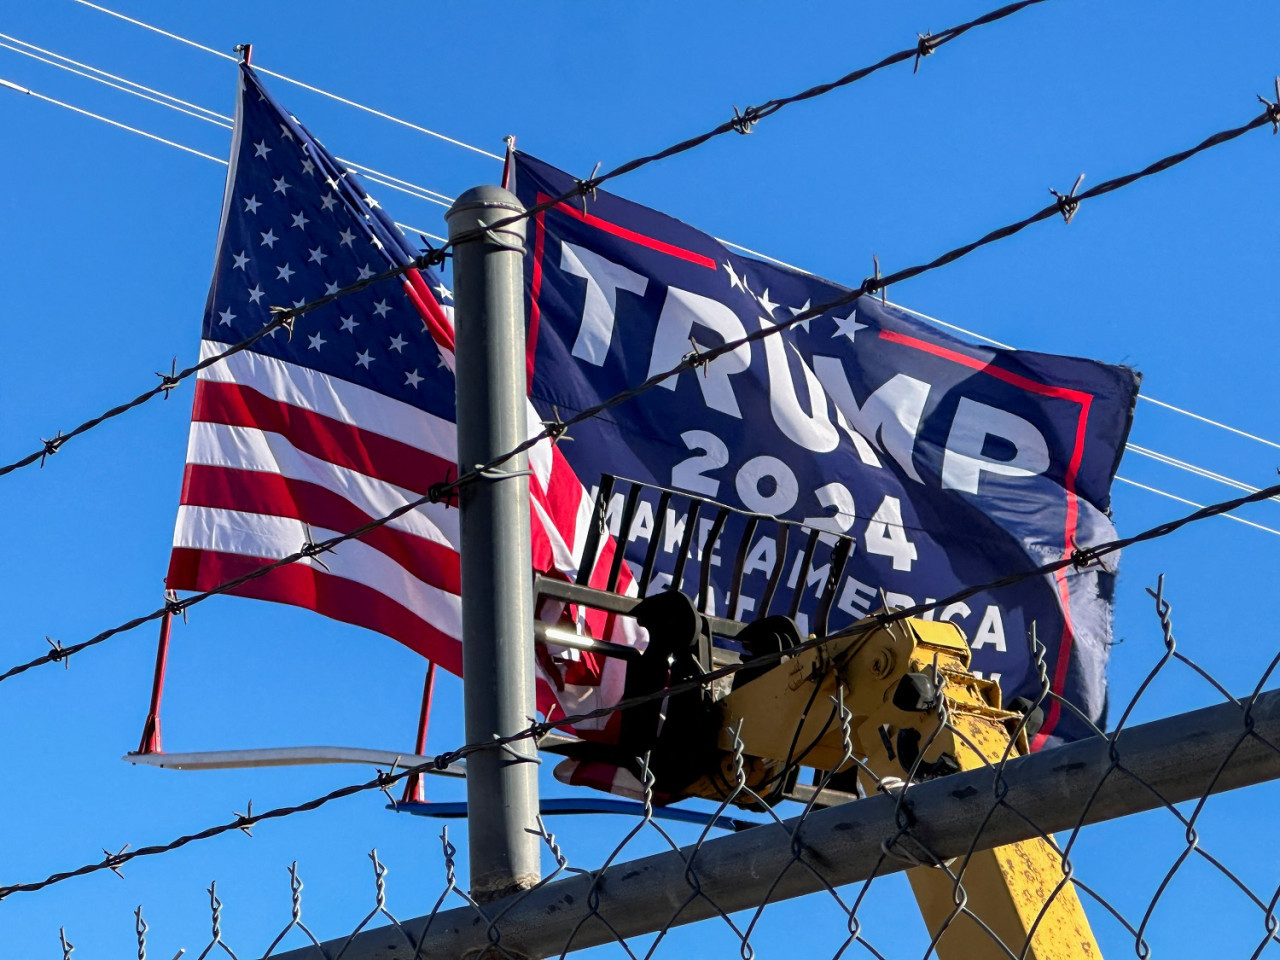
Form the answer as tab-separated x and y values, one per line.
425	193
446	491
1079	558
1065	205
437	255
742	121
282	318
894	847
903	838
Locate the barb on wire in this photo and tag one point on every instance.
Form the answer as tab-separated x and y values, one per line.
1273	109
1069	203
556	428
169	380
50	447
925	47
111	861
906	841
58	653
1077	557
244	821
740	123
281	318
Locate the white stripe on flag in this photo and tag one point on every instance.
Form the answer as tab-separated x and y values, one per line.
246	448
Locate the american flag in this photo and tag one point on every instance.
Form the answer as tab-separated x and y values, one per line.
306	436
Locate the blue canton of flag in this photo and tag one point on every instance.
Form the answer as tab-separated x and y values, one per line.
298	226
950	465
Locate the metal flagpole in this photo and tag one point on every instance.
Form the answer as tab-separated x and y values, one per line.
497	589
413	786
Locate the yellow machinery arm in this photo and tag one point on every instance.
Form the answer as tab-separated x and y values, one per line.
916	711
899	702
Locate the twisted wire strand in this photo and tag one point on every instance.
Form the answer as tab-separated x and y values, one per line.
283	318
537	729
868	286
287	79
437	256
582	189
905	844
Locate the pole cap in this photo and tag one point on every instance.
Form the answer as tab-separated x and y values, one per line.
480	208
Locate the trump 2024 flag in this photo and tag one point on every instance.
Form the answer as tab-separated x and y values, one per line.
950	464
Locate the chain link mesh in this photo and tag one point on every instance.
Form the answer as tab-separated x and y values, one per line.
846	917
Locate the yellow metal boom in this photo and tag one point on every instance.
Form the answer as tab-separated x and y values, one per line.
916	712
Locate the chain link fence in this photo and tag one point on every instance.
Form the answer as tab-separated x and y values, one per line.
825	879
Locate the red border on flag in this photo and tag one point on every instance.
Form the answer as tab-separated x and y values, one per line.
1085	400
1068	482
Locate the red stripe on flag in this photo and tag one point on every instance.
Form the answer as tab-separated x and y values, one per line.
535	293
1063	663
313	589
429	309
324	437
278	496
661	246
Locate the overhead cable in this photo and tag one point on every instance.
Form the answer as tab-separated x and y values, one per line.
1192	503
444	492
109	79
297	83
17	88
54	444
431	196
1065	205
190	109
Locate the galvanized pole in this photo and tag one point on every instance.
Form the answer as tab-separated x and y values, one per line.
497	590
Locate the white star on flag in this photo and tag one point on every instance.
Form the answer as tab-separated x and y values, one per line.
734	279
769	305
796	311
848	327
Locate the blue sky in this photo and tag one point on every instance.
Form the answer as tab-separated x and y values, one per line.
107	250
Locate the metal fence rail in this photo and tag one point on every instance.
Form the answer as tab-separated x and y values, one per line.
631	906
